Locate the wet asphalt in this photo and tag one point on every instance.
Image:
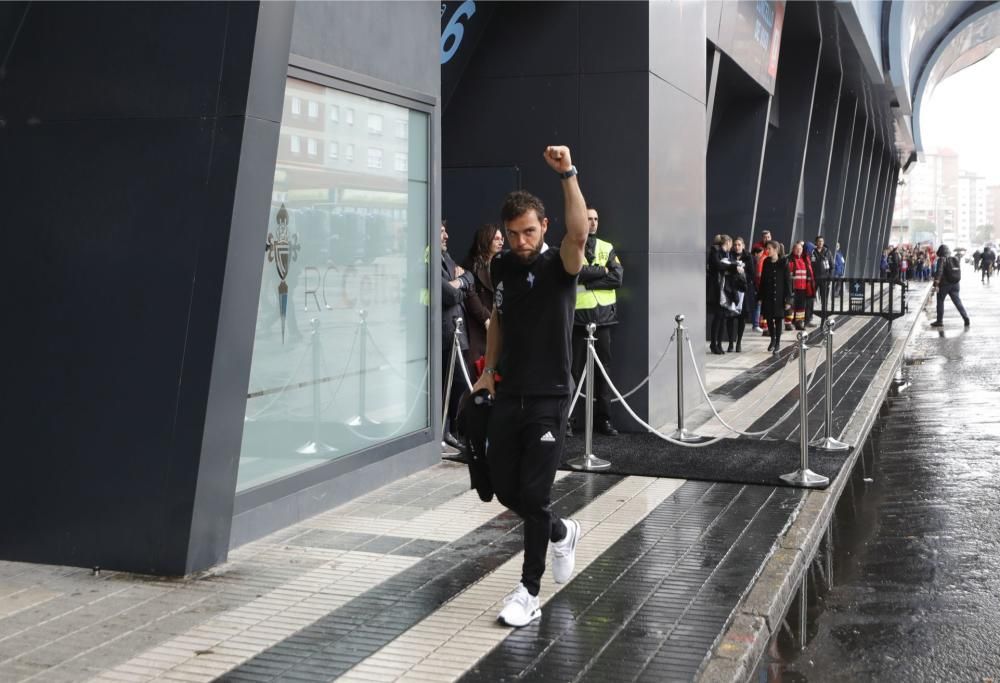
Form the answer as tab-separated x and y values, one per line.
916	555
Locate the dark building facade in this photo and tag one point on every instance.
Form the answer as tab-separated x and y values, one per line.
200	182
223	225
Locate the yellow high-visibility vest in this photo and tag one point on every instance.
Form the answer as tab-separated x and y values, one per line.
592	298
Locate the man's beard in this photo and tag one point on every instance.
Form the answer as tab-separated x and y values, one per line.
530	257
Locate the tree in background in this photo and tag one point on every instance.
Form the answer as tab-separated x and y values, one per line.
983	234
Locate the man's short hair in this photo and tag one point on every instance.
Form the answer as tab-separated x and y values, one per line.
591	207
518	203
820	237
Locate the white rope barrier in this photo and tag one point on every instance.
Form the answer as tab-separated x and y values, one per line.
634	389
730	427
643	383
579	391
457	350
642	423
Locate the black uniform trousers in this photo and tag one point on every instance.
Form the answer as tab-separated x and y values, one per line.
523	450
602	401
946	289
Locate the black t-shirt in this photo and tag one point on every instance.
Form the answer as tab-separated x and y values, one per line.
535	303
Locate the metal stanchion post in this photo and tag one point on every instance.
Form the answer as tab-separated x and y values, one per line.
804	476
451	373
362	418
316	446
827	442
681	434
589	461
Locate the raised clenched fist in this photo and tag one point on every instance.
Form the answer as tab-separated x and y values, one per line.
558	158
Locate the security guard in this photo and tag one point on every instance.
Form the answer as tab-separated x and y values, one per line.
596	302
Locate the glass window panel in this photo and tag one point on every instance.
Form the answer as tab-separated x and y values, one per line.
374	157
334	113
375	124
326	379
313	109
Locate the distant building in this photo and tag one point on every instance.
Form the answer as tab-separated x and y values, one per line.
927	204
971	206
993	206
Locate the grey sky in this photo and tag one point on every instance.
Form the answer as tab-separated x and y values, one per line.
962	114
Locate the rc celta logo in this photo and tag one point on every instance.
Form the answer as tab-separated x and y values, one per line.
282	251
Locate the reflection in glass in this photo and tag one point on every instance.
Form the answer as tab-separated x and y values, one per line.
340	360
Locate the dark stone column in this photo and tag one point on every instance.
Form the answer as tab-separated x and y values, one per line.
785	153
602	93
838	179
866	221
819	154
140	147
860	158
735	150
891	199
878	216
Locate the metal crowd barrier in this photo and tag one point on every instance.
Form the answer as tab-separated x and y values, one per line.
861	296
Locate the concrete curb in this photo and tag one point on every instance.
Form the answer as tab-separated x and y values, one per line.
758	616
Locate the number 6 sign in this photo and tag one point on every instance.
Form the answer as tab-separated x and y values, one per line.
455	30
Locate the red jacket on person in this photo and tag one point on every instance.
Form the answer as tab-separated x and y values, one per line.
802	274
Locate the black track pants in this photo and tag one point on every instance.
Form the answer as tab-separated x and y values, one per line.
523	450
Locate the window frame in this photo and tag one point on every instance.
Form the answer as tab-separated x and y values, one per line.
322	74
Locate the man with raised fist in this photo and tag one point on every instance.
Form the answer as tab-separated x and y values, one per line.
529	346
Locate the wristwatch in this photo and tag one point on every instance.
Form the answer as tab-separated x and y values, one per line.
489	371
569	174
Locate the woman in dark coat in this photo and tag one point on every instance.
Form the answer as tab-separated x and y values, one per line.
479	305
774	291
737	324
721	287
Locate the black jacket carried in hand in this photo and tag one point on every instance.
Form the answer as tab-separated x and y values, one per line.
474	419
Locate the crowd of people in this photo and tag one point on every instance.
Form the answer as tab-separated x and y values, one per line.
908	262
766	288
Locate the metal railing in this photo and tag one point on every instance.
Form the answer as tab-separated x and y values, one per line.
861	296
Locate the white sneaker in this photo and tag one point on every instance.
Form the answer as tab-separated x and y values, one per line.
520	608
757	329
564	552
